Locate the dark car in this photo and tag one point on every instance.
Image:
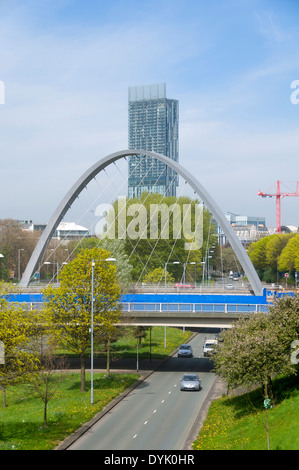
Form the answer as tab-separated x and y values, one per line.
185	350
190	382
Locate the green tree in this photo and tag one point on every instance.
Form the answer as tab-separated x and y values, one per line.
157	276
284	314
273	254
20	361
69	305
158	243
274	248
45	383
257	253
118	251
16	245
253	351
289	257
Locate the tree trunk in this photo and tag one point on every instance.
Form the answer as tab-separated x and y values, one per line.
45	413
82	373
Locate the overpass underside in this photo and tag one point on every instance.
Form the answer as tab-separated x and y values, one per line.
191	319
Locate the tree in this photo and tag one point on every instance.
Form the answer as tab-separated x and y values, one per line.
257	349
16	245
20	361
257	253
274	248
226	260
69	305
289	257
153	238
273	253
46	382
253	351
284	314
140	332
157	276
117	249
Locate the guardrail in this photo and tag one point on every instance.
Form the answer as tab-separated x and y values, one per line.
194	307
180	307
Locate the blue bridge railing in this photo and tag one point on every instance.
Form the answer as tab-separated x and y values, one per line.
193	307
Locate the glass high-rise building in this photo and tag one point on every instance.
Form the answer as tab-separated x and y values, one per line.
153	126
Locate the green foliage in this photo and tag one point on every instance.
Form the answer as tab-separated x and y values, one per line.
16	330
146	253
275	253
118	251
275	246
238	422
289	257
257	253
158	276
22	421
260	347
69	305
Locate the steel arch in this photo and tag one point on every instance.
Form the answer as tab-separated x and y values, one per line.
76	189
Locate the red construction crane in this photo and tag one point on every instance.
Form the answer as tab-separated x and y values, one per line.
278	196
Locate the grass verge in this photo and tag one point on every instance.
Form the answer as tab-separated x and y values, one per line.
239	422
21	422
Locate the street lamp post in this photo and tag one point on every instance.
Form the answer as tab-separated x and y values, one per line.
194	262
91	329
165	278
57	269
184	272
203	273
1	256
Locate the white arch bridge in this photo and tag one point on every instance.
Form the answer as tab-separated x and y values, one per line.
81	183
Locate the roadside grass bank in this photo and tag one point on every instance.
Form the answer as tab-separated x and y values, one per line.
240	422
21	421
158	344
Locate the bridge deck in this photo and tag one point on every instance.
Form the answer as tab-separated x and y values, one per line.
177	310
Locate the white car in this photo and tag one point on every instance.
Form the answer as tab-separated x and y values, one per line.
209	346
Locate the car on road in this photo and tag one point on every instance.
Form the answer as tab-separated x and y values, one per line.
190	382
208	347
185	350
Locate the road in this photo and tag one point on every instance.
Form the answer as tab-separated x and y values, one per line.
156	415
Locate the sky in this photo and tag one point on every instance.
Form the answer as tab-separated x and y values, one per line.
65	69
